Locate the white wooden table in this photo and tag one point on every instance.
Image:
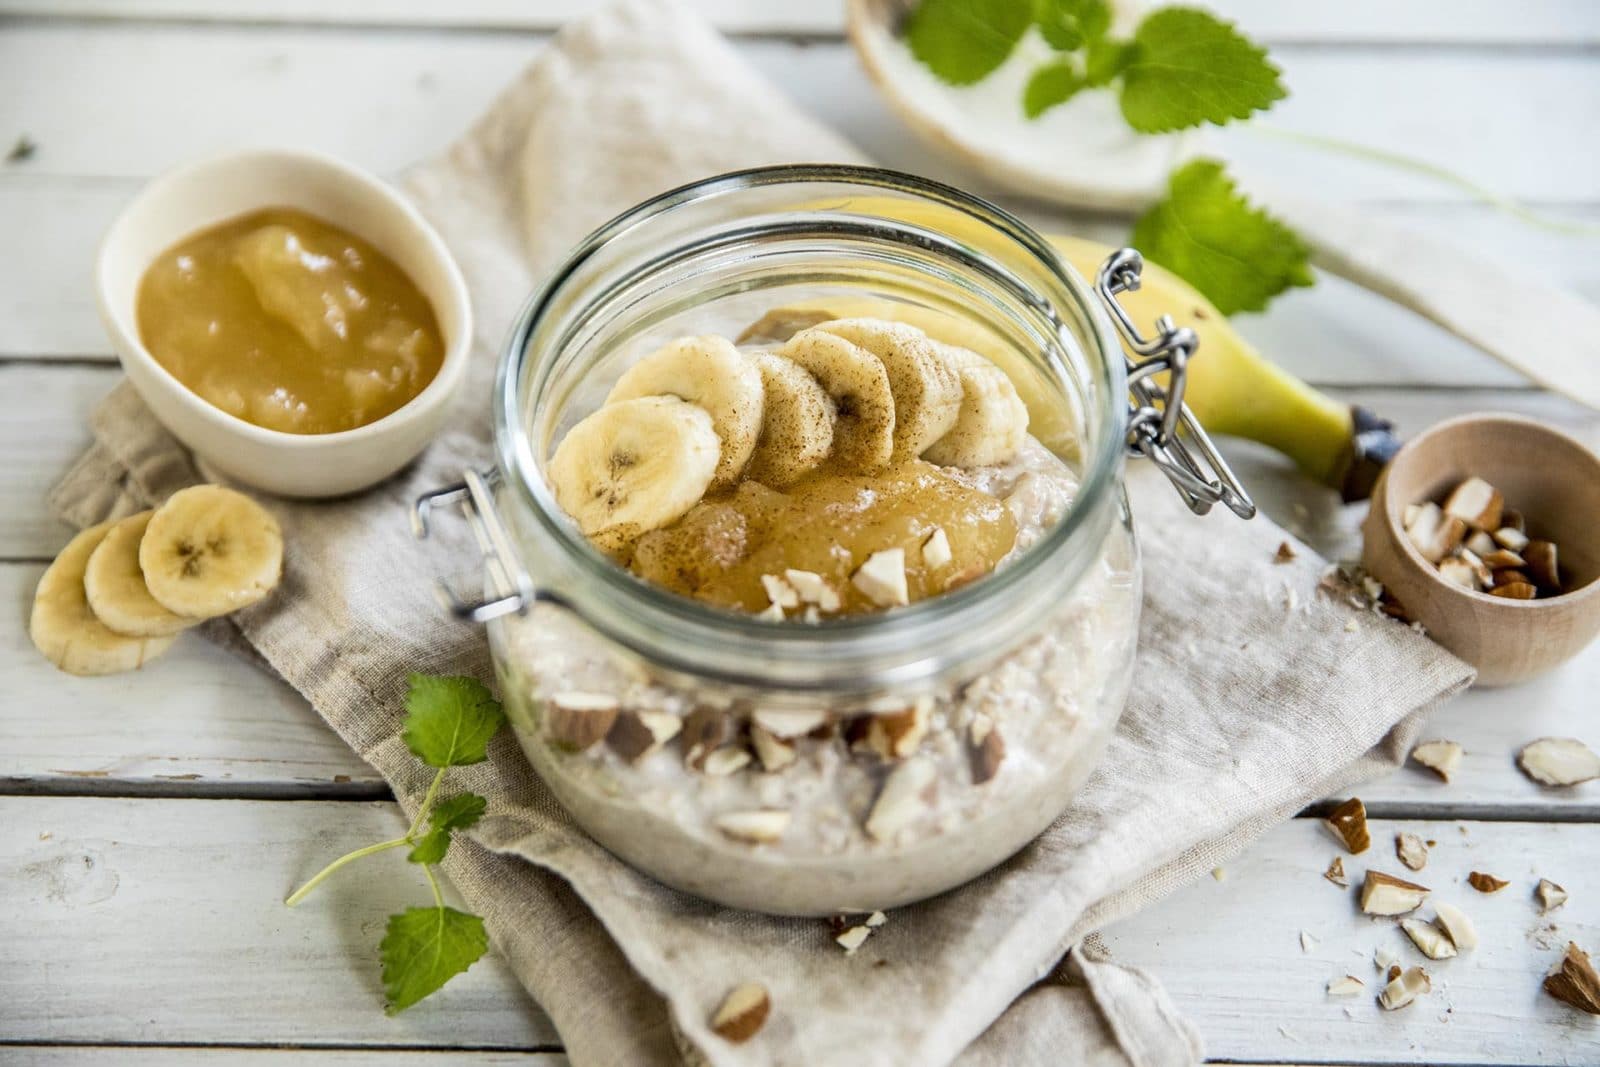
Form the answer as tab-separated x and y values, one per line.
150	825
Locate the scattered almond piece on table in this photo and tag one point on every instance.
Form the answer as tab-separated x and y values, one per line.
1429	938
1384	894
1411	851
1335	873
1349	824
1440	757
742	1013
1404	988
1551	896
1347	986
1285	553
1457	926
1575	982
1559	761
1486	883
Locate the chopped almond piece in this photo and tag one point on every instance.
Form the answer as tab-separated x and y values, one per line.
1347	986
1508	577
577	721
787	723
896	735
1551	896
1486	883
1435	534
853	938
1542	565
813	589
1575	982
1411	851
1511	519
1458	571
705	729
1500	559
1404	988
1476	503
1481	543
1457	926
1511	538
1285	553
1384	894
1440	757
936	550
986	749
742	1013
901	799
1558	761
755	827
1515	591
1335	873
775	753
639	733
1429	939
1349	824
883	578
779	592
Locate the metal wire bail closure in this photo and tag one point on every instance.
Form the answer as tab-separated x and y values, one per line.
1160	426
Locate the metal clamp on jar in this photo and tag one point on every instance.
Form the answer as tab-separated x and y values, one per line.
866	761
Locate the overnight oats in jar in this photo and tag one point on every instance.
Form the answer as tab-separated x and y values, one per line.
812	584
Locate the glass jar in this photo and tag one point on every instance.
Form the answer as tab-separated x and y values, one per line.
861	762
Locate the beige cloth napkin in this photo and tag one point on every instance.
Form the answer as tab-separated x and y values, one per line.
1246	707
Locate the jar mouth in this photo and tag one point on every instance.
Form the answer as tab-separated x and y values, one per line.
832	642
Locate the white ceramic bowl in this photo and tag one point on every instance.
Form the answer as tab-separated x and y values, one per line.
203	194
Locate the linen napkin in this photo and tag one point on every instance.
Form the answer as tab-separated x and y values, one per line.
1252	697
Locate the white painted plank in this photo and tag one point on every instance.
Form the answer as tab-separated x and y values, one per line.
45	427
1229	952
1335	333
169	1056
1558	22
120	99
198	720
162	922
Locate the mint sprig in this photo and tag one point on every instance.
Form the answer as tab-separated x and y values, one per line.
449	722
1206	232
964	41
1189	67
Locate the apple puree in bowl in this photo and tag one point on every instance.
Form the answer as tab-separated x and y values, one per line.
289	322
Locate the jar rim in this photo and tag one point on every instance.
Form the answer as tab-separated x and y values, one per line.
522	474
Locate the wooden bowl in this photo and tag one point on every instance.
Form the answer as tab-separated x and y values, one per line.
1549	477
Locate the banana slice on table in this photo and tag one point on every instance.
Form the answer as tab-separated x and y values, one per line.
927	389
712	374
634	466
116	588
857	383
993	422
210	550
65	629
796	427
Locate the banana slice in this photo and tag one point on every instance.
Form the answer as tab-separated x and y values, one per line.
796	428
634	466
710	372
927	390
116	588
209	550
857	383
65	629
993	422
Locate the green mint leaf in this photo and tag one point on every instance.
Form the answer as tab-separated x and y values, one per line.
449	721
1107	59
1051	84
1207	233
1070	24
457	813
1192	67
963	41
424	948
